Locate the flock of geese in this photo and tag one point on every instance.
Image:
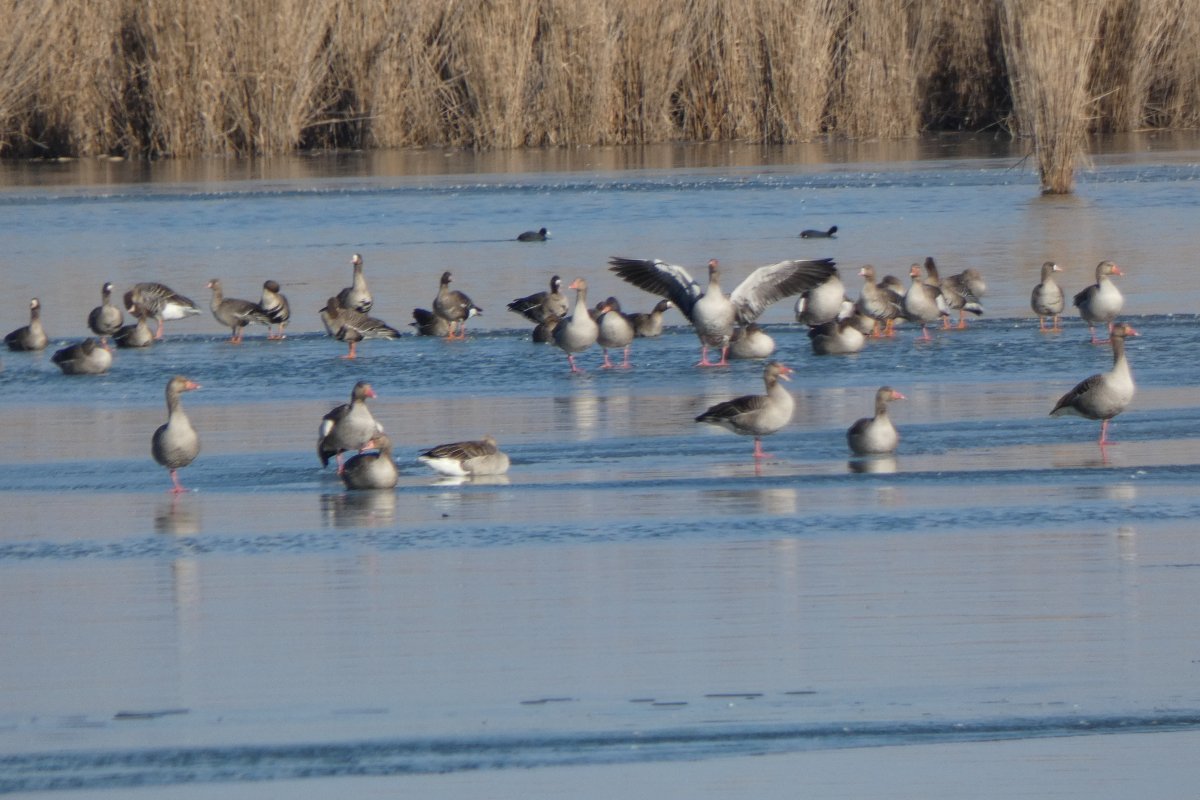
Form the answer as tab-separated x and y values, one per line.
724	323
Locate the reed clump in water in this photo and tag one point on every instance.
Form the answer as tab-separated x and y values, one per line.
192	77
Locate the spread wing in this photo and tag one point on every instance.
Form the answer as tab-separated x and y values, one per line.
660	278
768	284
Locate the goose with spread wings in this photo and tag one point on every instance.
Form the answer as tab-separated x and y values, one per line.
711	312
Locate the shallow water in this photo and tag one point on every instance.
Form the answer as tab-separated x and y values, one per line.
637	589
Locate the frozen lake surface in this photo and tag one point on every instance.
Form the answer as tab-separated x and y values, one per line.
636	591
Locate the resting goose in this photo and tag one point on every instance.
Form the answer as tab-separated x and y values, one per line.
845	335
1107	394
176	444
751	341
711	313
234	313
1047	298
1100	303
875	435
356	296
756	415
350	326
137	334
349	426
579	331
372	470
466	459
31	336
161	302
650	325
89	357
105	319
275	305
454	307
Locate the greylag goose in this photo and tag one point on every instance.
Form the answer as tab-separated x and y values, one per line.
845	335
466	459
955	292
428	323
750	341
350	326
1107	394
968	283
923	302
711	313
579	331
372	470
756	415
275	305
89	357
233	313
356	296
881	304
822	303
31	336
614	330
536	307
875	435
454	307
1047	298
160	302
105	319
137	334
543	332
810	233
349	426
1100	303
540	235
176	444
649	325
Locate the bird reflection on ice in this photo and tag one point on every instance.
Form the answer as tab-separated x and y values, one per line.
352	509
872	464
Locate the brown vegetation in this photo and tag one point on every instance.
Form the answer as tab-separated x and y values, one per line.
190	77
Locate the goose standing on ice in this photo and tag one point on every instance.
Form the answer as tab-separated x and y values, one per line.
822	303
540	305
711	313
234	313
614	330
871	436
1047	298
454	307
356	296
161	302
349	426
1107	394
275	305
955	293
579	331
879	303
176	444
756	415
1100	303
649	325
105	319
31	336
923	302
350	326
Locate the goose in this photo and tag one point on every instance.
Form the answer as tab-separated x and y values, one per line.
1100	303
751	341
756	415
233	313
350	326
649	325
275	305
536	307
105	319
540	235
815	234
137	334
349	426
881	304
89	357
968	283
843	336
176	444
875	435
543	332
31	336
955	292
614	330
428	323
822	303
579	331
711	313
466	459
923	302
161	302
356	296
1106	394
454	307
1047	298
372	470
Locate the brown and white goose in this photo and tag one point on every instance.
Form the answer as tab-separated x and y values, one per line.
538	306
372	470
649	325
349	426
161	302
176	444
1047	298
968	283
822	303
1100	303
579	331
137	334
750	342
105	319
89	357
235	313
875	435
31	336
1107	394
710	311
350	326
454	307
614	330
756	415
923	302
879	303
843	336
955	292
356	296
467	459
275	305
428	323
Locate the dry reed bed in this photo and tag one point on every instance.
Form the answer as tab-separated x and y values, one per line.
189	77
